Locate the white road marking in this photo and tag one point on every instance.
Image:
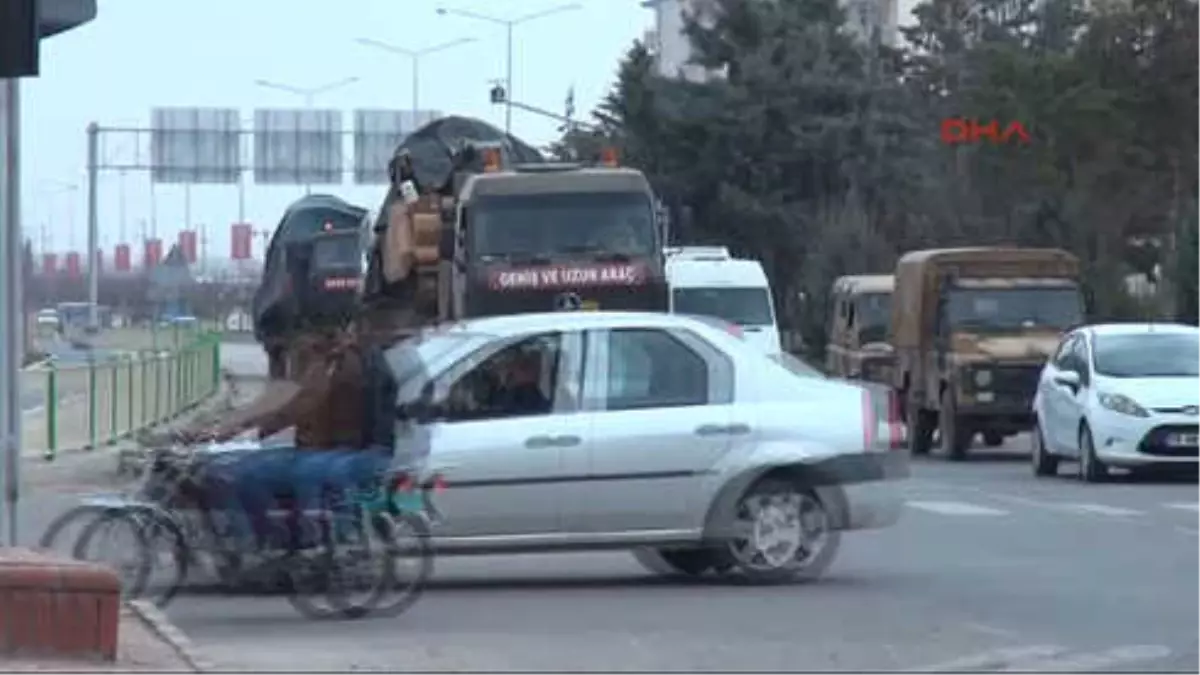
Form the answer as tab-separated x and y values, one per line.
992	660
1101	510
955	508
1090	662
1184	506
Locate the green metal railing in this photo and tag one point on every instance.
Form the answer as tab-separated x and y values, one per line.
101	402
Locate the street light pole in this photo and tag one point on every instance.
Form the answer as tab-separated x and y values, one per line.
416	55
308	95
509	25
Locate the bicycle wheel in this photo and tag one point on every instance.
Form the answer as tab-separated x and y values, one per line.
410	563
78	516
134	565
169	553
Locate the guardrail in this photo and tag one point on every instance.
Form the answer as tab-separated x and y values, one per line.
106	399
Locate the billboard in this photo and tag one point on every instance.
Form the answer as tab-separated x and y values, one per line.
195	145
298	147
187	245
122	260
49	264
74	264
376	135
152	253
240	237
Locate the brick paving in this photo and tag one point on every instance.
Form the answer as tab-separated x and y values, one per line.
139	649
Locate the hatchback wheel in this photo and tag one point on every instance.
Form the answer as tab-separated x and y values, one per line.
1044	463
1091	469
781	532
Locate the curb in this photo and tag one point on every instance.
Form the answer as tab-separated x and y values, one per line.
161	626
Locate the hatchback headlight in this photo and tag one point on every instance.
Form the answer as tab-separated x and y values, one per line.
1122	404
983	378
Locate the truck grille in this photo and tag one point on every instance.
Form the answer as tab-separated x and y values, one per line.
1015	382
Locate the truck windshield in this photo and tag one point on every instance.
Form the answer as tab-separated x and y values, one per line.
743	306
1002	309
874	316
573	222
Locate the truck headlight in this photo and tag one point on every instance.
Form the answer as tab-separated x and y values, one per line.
983	378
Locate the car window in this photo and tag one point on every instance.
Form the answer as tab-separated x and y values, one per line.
1148	355
519	380
654	369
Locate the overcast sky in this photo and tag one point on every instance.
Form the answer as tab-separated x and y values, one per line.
141	54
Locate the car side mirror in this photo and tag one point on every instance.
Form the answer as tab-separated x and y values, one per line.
1069	379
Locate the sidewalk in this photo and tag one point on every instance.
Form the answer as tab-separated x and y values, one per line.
143	646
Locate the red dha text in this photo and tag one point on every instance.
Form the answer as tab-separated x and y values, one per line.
960	130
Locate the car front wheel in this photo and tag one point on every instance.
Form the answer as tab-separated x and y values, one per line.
1044	463
781	532
1091	469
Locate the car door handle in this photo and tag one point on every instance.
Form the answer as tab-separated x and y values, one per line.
722	429
537	442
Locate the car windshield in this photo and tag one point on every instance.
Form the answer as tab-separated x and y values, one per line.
410	360
742	306
574	222
874	316
1147	355
1005	309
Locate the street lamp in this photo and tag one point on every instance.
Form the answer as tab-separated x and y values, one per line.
309	94
508	24
416	55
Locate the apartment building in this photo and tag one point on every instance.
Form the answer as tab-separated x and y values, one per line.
672	49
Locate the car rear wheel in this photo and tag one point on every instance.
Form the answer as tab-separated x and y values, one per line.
1091	469
1044	463
781	532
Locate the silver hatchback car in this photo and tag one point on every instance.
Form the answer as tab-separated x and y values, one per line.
663	434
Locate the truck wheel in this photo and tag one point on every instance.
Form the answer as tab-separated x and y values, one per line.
993	439
956	437
921	424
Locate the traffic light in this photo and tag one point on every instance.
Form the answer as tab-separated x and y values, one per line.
23	23
18	38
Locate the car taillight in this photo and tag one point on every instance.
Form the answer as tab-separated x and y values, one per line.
881	431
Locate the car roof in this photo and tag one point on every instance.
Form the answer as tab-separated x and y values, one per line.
516	324
705	273
1139	328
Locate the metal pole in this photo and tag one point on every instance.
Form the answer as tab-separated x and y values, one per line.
11	319
416	88
93	218
508	83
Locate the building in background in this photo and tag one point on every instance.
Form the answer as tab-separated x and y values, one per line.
672	49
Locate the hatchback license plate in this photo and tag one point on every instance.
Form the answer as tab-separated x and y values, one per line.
1183	440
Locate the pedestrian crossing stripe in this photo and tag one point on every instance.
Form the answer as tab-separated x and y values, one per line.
1101	509
1047	658
1184	506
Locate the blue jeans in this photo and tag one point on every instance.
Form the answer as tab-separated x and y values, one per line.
251	482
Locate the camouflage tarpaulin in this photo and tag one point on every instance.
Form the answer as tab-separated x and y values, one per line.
432	146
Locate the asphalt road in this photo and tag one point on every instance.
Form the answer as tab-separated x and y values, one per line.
990	569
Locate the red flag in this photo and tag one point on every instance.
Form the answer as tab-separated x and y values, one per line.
74	265
152	254
240	236
49	264
187	245
122	259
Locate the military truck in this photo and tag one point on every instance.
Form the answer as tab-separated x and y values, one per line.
971	330
504	237
859	328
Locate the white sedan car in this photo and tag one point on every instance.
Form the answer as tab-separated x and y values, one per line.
659	433
1124	395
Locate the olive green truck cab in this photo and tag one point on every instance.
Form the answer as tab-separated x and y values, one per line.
971	330
859	343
